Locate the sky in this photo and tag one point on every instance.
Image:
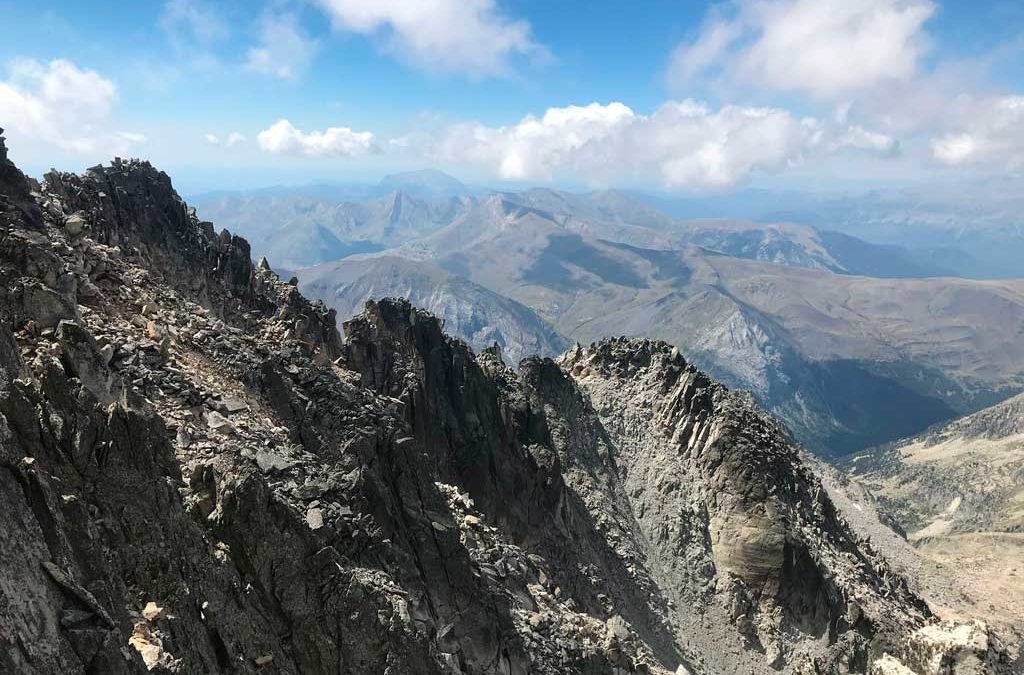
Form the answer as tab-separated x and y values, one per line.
680	97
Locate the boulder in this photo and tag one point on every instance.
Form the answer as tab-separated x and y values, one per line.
83	359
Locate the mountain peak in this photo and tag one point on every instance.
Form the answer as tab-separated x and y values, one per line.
424	183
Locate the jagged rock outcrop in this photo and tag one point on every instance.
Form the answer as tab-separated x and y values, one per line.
198	474
945	648
735	524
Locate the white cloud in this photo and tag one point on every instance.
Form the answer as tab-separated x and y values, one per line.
284	139
193	21
826	48
535	147
229	141
992	134
132	137
470	36
691	59
62	105
859	138
682	144
284	50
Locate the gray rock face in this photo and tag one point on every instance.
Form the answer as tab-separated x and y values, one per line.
199	475
734	524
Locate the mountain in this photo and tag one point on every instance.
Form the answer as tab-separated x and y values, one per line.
296	227
829	349
429	184
958	491
805	246
294	247
973	232
847	361
610	207
298	231
481	317
621	217
891	233
295	230
630	219
199	475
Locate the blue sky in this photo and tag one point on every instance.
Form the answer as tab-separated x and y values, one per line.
675	96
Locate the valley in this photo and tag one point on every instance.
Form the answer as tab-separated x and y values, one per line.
958	491
853	344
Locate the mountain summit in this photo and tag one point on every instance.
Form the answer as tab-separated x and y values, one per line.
425	184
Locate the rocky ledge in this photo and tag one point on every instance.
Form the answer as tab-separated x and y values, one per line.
199	474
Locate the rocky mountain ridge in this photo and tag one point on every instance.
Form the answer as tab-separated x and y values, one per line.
200	474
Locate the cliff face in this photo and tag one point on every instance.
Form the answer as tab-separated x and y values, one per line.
198	474
735	526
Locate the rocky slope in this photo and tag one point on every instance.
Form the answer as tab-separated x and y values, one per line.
958	491
200	475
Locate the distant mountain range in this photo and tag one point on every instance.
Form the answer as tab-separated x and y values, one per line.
299	228
483	318
980	236
426	184
853	343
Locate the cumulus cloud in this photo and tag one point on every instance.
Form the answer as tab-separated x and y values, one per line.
284	50
828	49
681	144
470	36
62	105
535	147
282	138
992	134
